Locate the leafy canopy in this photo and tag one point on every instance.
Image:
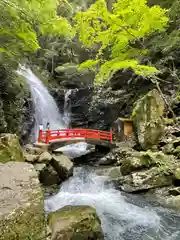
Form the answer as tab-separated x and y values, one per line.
117	35
22	21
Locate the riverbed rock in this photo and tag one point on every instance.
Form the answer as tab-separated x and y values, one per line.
147	117
111	172
63	165
45	157
30	149
145	180
31	158
48	176
145	160
21	203
75	222
10	149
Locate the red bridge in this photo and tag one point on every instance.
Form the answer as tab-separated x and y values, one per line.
56	138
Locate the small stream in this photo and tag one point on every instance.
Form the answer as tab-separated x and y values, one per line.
123	217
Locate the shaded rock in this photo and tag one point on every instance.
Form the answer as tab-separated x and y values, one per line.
177	152
131	164
21	203
144	180
63	165
174	191
107	160
147	117
173	202
30	158
10	149
177	173
112	172
75	222
168	148
45	157
48	176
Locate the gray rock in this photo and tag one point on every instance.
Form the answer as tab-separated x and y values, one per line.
45	157
174	191
75	222
21	202
112	172
145	180
39	166
30	158
48	176
30	149
63	165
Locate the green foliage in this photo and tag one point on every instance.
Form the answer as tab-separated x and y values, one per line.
22	21
117	36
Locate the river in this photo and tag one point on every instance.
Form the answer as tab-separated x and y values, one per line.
123	217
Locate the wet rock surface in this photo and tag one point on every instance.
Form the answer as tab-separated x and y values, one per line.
21	203
75	222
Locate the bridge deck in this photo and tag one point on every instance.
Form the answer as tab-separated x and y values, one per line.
58	138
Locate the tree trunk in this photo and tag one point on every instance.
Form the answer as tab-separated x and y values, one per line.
109	5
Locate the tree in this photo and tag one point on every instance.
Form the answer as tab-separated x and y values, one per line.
23	21
118	35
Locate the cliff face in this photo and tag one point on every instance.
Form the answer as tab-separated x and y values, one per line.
15	104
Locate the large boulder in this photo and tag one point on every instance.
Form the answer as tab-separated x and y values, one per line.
10	149
48	175
63	165
145	160
145	180
75	222
21	203
147	117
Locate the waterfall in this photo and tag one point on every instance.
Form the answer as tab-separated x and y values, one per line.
46	110
67	107
123	217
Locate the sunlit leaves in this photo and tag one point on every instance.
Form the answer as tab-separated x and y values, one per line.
22	21
117	33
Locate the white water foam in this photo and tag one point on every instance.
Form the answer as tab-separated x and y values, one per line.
120	218
46	110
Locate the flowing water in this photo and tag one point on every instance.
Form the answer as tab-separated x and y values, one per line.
46	110
67	108
123	217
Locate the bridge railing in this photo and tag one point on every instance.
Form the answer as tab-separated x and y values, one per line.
66	134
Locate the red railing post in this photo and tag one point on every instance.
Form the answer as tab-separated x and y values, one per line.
48	134
111	135
58	133
40	136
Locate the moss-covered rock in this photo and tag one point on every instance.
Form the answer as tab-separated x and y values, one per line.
10	149
177	174
75	222
145	180
146	160
21	210
147	118
49	176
